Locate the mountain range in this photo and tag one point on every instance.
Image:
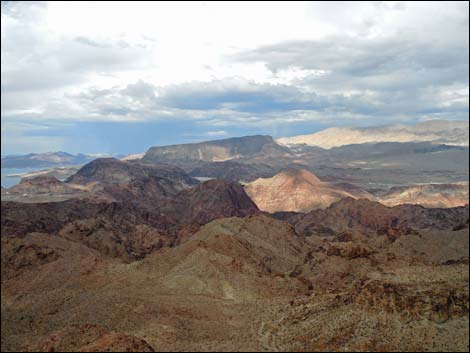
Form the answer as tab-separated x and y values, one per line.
241	244
435	131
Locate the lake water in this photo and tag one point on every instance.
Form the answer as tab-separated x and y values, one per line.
12	181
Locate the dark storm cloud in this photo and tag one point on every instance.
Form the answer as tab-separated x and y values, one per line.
221	102
237	94
388	76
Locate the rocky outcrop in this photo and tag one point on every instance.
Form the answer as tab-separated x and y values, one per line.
125	241
350	250
383	313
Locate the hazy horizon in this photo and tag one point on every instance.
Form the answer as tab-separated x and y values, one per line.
184	139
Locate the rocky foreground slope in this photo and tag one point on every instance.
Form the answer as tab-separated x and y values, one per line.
249	283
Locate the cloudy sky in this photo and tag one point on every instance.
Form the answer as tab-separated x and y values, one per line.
120	77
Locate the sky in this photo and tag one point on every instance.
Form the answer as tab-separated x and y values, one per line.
119	77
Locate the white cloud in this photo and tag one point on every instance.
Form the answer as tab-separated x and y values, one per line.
233	63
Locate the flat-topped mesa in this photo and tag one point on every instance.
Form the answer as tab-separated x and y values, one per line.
218	150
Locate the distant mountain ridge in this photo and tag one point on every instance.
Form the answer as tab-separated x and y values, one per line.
449	132
49	159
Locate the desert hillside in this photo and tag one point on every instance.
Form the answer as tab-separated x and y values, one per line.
298	190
